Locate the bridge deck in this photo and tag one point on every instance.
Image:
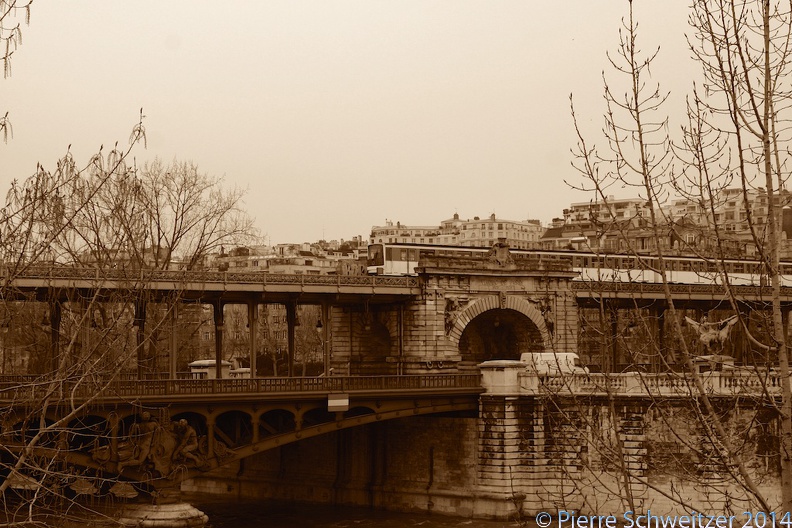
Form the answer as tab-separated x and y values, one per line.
23	389
597	290
26	389
203	284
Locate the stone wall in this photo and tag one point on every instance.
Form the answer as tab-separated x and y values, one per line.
598	457
419	463
522	456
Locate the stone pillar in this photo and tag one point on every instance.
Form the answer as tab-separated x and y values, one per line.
174	340
112	422
713	484
253	334
661	338
324	336
506	448
400	364
632	437
498	441
565	444
291	322
532	447
210	436
255	420
218	321
613	341
140	336
55	313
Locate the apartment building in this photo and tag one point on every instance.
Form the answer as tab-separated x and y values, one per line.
478	232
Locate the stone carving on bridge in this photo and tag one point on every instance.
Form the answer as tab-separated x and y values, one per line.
152	447
452	308
713	335
500	254
546	308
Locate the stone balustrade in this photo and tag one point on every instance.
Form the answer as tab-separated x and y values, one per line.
512	378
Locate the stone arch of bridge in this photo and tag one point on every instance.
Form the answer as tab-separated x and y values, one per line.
522	322
356	416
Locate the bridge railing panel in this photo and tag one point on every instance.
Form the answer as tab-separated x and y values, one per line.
670	384
30	388
135	277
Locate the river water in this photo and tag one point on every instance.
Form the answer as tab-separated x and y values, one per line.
262	514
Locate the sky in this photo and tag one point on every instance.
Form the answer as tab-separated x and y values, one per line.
334	115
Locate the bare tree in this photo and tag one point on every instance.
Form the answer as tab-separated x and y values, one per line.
10	39
81	341
735	133
190	214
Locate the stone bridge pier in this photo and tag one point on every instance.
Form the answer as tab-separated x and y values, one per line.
550	444
538	455
469	311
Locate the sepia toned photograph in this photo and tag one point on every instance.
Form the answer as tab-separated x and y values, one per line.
396	263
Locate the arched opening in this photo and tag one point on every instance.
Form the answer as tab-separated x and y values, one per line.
499	334
276	421
234	428
372	347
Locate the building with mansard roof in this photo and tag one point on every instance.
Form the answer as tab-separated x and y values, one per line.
478	232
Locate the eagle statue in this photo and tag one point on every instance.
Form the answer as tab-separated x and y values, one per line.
711	334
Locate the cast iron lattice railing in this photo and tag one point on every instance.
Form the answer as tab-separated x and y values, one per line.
145	276
24	389
677	290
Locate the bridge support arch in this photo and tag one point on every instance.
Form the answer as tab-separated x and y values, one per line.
500	302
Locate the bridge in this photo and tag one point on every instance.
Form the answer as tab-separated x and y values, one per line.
233	418
392	348
238	418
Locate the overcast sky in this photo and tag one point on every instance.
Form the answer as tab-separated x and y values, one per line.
335	115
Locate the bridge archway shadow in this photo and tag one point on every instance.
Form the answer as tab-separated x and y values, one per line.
499	333
317	420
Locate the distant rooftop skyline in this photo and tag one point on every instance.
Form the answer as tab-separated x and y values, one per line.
335	115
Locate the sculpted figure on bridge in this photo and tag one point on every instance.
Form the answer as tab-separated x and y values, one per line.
451	309
500	253
713	334
135	451
188	443
157	448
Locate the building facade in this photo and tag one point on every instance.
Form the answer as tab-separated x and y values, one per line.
478	232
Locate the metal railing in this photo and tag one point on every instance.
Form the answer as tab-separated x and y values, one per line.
636	287
146	276
29	389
